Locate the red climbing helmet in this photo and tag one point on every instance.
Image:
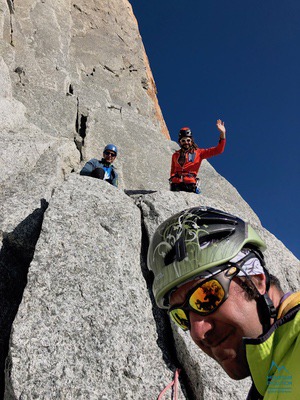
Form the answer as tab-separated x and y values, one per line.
185	132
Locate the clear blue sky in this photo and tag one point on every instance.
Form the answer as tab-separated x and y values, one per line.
238	61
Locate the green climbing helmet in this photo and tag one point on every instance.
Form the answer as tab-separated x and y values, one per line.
193	241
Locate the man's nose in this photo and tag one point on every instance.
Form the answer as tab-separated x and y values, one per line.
201	326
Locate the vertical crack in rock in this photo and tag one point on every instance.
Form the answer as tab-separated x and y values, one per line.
165	338
81	122
15	257
70	90
11	7
81	128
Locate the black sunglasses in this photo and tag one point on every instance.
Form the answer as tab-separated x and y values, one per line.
204	298
209	294
109	153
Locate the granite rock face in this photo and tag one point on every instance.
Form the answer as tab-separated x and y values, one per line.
86	327
89	331
74	283
74	77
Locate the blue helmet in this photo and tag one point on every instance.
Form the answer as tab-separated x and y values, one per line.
111	147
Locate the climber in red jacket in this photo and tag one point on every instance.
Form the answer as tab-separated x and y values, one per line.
186	161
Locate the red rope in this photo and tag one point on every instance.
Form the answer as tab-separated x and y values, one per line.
173	383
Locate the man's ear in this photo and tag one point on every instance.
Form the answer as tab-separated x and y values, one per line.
260	281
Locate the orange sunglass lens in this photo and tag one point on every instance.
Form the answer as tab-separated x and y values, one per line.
207	297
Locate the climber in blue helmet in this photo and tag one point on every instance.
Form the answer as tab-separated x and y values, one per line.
103	169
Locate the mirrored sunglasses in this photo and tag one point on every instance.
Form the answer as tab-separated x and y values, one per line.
185	140
109	153
204	298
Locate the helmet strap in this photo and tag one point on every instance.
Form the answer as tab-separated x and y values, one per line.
266	311
265	307
177	253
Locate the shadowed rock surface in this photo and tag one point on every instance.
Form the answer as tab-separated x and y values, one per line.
74	76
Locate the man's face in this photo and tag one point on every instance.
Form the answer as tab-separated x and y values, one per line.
109	156
220	334
185	143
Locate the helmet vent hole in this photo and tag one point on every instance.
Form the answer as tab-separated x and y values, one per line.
214	237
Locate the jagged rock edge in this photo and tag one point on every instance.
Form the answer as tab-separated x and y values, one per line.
165	338
17	252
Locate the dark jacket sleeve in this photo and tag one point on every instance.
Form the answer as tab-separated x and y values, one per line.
115	179
89	167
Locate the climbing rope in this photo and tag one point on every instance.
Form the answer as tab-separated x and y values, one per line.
173	383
